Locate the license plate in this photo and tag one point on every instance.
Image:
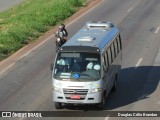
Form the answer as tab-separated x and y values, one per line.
76	97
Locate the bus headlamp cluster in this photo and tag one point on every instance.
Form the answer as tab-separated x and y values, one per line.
57	89
95	90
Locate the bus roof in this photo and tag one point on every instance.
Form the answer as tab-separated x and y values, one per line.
96	35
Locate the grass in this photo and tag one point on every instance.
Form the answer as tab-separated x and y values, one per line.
29	20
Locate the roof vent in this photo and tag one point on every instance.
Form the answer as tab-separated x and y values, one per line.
99	25
86	39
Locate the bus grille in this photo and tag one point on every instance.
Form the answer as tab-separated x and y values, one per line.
81	92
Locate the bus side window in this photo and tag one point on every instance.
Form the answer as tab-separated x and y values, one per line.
106	58
104	64
118	43
115	48
109	56
113	51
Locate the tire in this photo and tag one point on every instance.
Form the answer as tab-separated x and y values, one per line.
58	43
58	105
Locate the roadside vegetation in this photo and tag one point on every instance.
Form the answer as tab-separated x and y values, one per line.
26	22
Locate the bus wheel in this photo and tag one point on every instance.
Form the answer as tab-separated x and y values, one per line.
58	105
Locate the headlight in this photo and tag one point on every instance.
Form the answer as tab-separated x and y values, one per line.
95	90
58	39
57	89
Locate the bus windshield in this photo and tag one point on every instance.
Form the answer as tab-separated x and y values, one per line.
77	66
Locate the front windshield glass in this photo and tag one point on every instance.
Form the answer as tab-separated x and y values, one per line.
77	66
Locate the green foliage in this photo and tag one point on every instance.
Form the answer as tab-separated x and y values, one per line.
26	22
76	3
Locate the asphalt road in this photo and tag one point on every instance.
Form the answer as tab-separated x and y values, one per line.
7	4
26	86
